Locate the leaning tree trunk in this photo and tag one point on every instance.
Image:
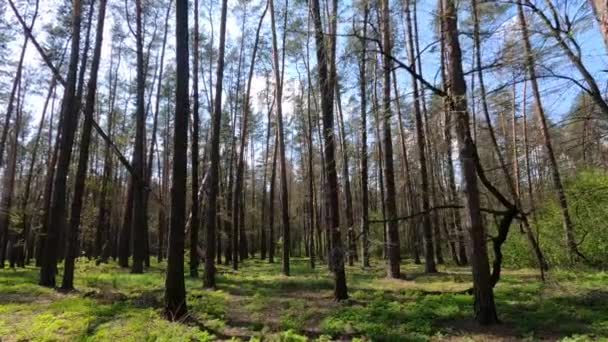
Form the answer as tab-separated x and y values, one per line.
568	226
484	307
69	118
348	196
427	229
16	82
238	204
8	187
83	160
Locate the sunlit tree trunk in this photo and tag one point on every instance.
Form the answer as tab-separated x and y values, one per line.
175	288
69	119
83	160
365	244
211	214
484	307
327	80
568	226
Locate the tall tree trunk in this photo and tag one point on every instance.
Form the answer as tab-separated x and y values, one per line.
408	189
26	219
392	233
263	238
380	160
139	212
83	159
348	196
326	84
503	163
281	141
211	214
568	226
484	307
427	228
8	186
16	81
69	118
273	176
102	236
194	219
175	288
365	243
238	204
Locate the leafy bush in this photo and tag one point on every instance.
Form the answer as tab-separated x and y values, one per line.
587	194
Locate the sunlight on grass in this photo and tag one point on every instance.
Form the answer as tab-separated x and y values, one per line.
258	303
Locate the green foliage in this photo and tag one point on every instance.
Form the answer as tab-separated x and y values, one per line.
258	303
587	194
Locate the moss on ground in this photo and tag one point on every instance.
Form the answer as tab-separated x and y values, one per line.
257	303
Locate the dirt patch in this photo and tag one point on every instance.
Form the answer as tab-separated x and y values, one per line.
469	329
106	297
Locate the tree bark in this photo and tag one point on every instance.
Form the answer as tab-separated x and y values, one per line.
281	141
348	196
83	159
175	288
394	258
238	204
326	84
365	243
138	227
69	118
484	307
568	226
211	214
427	227
194	149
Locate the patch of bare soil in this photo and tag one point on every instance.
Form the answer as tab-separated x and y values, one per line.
314	305
469	329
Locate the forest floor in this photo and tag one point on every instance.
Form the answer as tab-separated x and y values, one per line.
258	303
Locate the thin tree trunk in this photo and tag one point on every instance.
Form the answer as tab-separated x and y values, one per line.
83	160
365	244
139	211
273	175
16	81
211	214
194	219
393	244
238	204
281	141
69	118
568	226
427	227
348	196
26	220
8	185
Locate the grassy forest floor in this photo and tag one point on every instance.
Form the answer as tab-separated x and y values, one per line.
258	303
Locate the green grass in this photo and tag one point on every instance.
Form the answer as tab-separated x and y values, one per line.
257	303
